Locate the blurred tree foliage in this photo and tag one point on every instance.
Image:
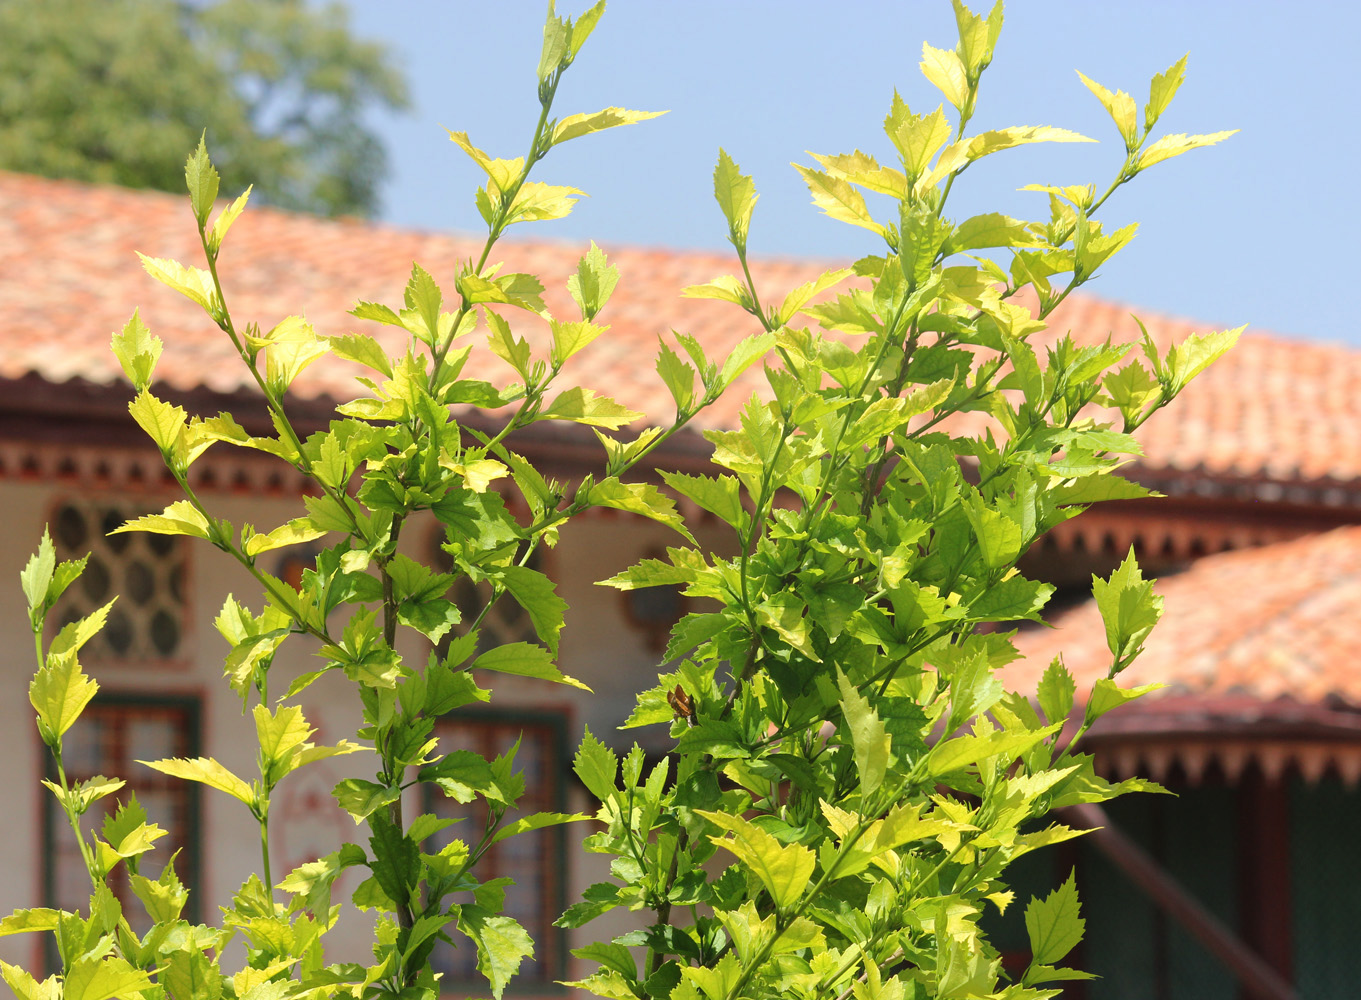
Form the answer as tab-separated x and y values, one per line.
116	91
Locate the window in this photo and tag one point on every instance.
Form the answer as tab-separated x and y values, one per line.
536	860
146	571
112	735
505	621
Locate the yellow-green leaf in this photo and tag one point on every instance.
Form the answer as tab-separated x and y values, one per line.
583	406
864	170
571	338
162	422
574	126
39	918
725	288
784	869
838	199
502	173
639	498
202	181
363	349
1120	106
1174	145
802	295
736	196
180	518
25	987
1162	89
207	771
191	282
293	532
137	352
225	219
540	202
943	68
60	690
525	659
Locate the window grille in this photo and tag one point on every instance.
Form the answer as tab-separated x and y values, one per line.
147	572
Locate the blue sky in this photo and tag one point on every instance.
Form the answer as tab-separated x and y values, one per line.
1253	230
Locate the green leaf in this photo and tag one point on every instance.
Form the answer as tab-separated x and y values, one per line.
724	288
1174	145
1128	607
361	348
863	170
1196	353
571	338
502	944
535	821
60	690
503	343
916	137
137	352
361	799
1056	691
291	346
593	283
838	200
294	532
226	217
1120	106
208	772
36	578
990	230
163	423
538	595
39	918
869	738
678	376
1162	89
944	69
582	28
597	767
736	195
202	181
784	869
165	898
639	498
25	987
463	775
502	173
102	979
1108	695
720	496
525	660
180	518
583	406
744	354
540	202
191	282
1054	924
575	126
557	37
958	753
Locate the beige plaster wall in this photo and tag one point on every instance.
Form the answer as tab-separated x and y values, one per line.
600	647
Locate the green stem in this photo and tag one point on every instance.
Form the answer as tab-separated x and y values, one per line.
264	850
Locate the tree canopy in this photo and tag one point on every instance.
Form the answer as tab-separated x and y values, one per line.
117	91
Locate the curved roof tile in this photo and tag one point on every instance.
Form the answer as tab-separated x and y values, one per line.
1274	408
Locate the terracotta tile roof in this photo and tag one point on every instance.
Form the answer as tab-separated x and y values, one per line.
1276	408
1271	625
